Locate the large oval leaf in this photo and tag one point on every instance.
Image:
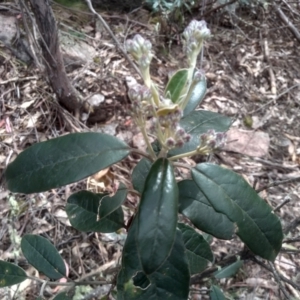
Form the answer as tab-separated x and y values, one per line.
157	216
10	274
196	95
194	205
140	173
199	122
229	271
258	227
63	160
176	85
43	256
216	293
64	296
170	281
198	250
96	212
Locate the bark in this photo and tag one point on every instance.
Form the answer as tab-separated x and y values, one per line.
66	94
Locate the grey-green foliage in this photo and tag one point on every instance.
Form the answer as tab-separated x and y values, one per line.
168	6
232	7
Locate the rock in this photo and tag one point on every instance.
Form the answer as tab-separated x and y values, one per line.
252	143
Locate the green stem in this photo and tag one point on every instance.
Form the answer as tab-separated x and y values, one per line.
202	151
160	134
149	84
185	101
163	152
142	153
70	283
187	154
155	94
146	138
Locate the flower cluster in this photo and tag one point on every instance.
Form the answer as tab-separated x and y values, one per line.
194	35
199	75
179	139
140	49
212	141
167	127
196	32
140	97
166	115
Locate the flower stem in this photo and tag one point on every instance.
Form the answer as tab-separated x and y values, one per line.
202	151
146	138
187	154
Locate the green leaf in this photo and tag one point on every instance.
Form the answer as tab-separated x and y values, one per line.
198	250
43	256
10	274
196	95
96	212
176	85
64	296
199	122
216	293
195	206
63	160
170	281
229	271
157	216
140	173
229	194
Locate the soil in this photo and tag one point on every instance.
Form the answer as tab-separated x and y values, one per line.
252	67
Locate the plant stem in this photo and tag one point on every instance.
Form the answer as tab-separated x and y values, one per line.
187	154
190	89
155	94
163	152
142	153
149	146
70	283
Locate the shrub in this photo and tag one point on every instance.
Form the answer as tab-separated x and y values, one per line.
160	253
168	6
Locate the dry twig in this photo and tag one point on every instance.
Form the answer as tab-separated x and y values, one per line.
271	73
105	25
276	183
286	21
279	281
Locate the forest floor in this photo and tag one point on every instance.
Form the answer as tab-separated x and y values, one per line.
252	65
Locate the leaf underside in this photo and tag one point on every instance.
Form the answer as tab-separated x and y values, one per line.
197	94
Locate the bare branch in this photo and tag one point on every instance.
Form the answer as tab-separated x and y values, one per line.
286	21
276	183
105	25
